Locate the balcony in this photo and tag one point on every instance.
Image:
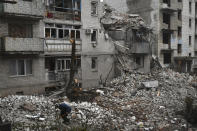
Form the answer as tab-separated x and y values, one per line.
68	15
165	47
60	46
140	48
165	26
19	45
27	9
166	8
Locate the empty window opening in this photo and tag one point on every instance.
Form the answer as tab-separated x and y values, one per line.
190	23
77	34
179	48
166	19
190	40
94	36
94	63
50	63
20	30
179	14
179	32
167	58
166	38
190	7
139	61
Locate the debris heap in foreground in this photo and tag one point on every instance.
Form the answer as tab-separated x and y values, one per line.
132	101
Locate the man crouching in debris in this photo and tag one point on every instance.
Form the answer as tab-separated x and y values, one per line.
65	110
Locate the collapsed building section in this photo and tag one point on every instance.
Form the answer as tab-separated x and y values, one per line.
131	39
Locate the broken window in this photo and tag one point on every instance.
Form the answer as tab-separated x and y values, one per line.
20	30
21	67
167	58
94	36
94	8
94	63
179	48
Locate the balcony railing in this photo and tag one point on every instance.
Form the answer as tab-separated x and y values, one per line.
31	9
10	44
67	15
61	46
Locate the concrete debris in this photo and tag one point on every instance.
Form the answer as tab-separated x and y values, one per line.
117	108
150	84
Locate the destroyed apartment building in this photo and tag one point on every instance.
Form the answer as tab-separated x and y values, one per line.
36	46
174	25
131	38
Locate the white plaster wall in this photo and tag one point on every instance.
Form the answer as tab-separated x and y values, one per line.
103	51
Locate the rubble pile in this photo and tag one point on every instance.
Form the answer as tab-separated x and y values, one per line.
132	101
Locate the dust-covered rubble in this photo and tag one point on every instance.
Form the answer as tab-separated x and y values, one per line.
116	108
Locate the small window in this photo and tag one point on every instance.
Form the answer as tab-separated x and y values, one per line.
179	0
94	8
94	36
167	58
94	63
179	31
179	14
139	61
190	23
190	40
179	48
190	7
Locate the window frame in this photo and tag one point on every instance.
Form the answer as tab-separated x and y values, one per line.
95	5
16	62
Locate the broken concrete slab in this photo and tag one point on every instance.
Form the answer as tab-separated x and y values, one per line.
150	84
